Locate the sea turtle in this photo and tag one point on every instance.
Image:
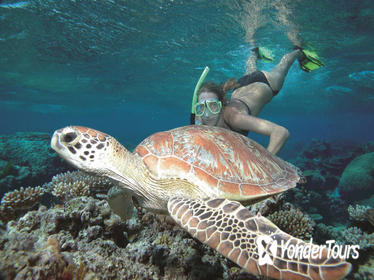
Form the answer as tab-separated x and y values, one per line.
198	174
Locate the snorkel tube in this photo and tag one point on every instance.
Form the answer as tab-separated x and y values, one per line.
197	88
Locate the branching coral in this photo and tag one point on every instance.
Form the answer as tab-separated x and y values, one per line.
366	270
74	184
358	212
23	198
363	273
354	235
294	222
6	213
18	202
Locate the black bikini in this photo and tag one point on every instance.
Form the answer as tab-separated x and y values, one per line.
255	77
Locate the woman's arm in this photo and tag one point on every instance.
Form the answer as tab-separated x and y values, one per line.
238	120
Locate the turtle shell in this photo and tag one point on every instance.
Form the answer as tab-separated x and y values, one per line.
217	160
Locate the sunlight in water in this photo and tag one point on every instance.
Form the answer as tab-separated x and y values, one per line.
253	15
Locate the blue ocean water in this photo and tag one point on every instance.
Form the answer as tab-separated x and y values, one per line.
129	67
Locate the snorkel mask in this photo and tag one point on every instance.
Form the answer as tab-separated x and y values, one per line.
214	106
194	98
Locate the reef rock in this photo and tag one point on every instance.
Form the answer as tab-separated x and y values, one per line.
329	157
26	159
84	240
357	180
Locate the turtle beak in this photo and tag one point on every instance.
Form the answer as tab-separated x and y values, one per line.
55	141
63	142
59	146
64	138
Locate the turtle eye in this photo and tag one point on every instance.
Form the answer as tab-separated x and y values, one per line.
69	137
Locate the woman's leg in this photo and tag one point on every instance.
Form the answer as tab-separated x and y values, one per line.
251	64
278	74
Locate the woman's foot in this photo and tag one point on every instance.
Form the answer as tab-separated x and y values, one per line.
309	60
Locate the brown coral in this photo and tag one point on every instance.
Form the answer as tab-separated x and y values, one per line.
74	184
18	202
22	198
294	222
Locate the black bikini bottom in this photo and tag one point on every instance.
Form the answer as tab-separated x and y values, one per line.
255	77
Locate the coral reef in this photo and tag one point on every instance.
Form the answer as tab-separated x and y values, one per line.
357	180
6	169
323	163
358	212
359	230
18	202
48	263
354	235
322	206
327	157
269	205
77	183
84	235
84	239
26	159
294	222
362	235
369	215
365	271
326	232
363	267
288	218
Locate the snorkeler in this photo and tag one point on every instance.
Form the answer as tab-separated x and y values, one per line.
250	94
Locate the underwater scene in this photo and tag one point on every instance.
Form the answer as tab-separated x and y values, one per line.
135	142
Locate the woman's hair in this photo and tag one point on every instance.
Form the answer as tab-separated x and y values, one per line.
219	90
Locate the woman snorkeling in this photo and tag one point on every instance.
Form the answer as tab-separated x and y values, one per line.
250	94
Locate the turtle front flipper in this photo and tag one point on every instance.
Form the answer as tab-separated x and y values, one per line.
251	241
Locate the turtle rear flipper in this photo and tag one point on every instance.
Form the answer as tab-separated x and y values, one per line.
251	241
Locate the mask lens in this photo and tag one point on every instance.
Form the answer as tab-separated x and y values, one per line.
199	109
214	106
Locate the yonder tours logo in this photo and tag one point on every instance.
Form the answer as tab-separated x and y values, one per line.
267	250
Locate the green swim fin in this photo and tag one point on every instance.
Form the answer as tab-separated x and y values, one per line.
310	60
264	54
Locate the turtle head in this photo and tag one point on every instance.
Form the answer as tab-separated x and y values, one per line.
84	148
